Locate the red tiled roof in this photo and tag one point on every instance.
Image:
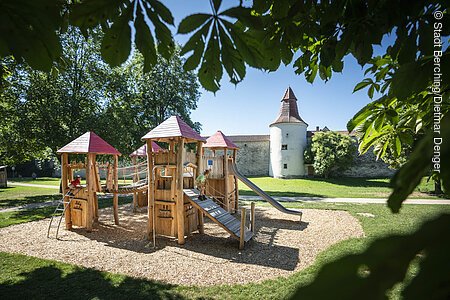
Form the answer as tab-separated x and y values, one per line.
173	127
89	143
142	151
289	110
219	140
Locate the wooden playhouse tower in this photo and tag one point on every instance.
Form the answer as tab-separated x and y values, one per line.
170	213
140	198
82	203
222	185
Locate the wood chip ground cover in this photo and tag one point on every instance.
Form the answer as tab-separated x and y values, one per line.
282	246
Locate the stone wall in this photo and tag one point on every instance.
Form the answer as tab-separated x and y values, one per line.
366	165
254	154
253	158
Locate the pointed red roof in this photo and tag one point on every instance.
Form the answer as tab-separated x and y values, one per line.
219	140
289	110
89	143
173	127
142	151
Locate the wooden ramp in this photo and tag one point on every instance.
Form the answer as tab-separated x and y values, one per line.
218	215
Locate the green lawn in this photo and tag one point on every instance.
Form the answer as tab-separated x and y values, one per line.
20	195
28	277
333	187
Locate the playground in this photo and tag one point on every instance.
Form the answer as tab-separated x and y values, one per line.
168	233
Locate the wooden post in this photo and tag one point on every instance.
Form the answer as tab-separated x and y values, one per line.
252	217
226	200
135	178
236	186
179	191
64	188
116	187
90	196
242	231
201	222
150	193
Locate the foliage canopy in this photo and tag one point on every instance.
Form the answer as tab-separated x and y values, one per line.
332	152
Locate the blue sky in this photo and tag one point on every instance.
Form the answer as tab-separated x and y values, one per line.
253	104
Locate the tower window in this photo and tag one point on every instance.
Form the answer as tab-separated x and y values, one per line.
284	147
285	166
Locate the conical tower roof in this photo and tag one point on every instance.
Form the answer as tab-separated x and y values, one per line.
89	143
142	151
173	127
289	110
219	140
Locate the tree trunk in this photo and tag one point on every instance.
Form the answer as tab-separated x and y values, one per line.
437	187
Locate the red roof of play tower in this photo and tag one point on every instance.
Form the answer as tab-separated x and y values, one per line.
288	110
89	143
142	151
219	140
173	127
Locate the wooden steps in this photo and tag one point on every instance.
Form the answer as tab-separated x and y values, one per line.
218	215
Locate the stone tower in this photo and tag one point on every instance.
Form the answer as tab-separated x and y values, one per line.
287	140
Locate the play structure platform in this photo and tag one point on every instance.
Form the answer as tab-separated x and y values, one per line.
220	216
233	170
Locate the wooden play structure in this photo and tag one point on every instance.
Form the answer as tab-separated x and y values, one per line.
80	203
173	207
222	185
140	198
3	177
164	182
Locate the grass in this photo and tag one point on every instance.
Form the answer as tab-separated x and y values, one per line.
333	187
20	195
28	277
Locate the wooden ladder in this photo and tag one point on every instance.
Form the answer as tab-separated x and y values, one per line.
60	211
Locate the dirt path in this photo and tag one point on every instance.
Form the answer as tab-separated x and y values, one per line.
34	185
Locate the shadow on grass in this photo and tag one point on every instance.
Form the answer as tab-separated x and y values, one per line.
23	216
29	200
49	282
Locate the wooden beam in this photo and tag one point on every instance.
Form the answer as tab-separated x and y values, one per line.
242	231
135	178
64	189
150	193
89	183
225	175
252	217
179	191
201	221
116	187
236	186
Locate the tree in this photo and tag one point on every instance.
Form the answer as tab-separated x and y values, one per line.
44	111
140	101
318	35
332	152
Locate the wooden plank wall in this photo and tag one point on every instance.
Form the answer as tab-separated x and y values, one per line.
216	170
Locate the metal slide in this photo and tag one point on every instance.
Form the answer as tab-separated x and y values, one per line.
232	167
